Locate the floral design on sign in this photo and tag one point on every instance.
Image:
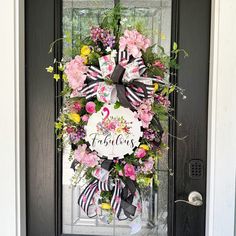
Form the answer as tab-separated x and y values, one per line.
113	133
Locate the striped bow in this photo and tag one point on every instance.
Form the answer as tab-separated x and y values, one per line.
122	198
125	73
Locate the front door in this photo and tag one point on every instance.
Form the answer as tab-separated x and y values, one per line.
51	202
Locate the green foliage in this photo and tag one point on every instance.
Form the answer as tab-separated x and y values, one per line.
88	174
117	105
160	111
98	105
111	20
106	196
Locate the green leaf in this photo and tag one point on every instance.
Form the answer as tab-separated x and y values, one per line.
117	105
172	88
165	90
98	105
175	46
118	167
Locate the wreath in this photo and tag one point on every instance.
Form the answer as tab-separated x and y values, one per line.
114	117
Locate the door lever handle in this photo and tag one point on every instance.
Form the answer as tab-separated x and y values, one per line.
194	199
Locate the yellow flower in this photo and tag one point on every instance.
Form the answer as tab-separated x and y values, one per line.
49	69
118	130
106	206
74	117
85	50
64	77
144	146
85	59
56	77
156	86
61	67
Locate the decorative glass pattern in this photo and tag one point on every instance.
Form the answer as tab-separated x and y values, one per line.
78	17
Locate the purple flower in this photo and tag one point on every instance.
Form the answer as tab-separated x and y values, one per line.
104	36
76	136
148	165
162	100
149	134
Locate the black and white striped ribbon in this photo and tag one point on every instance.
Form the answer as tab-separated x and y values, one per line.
87	200
116	198
87	196
134	93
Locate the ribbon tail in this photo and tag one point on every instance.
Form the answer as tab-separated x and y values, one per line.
86	197
121	94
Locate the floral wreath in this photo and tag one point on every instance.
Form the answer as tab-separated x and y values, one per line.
115	65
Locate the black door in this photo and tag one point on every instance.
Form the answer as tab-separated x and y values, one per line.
186	171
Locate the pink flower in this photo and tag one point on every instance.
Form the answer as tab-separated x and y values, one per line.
112	126
130	171
134	42
139	206
90	107
163	100
81	153
159	65
77	106
70	130
145	113
140	153
85	118
85	158
75	71
148	165
84	199
91	160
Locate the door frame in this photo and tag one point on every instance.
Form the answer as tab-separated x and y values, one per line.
17	35
42	108
17	159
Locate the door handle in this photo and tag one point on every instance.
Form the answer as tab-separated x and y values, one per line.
194	199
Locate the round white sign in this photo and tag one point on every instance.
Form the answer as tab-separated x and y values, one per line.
113	132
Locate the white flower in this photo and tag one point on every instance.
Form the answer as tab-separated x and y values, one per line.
123	21
113	53
108	49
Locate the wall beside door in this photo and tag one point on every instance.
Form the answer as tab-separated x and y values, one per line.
222	125
12	180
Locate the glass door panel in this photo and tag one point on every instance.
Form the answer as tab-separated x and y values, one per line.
154	16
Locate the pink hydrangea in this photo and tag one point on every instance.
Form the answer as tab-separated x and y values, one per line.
91	160
148	165
140	153
85	118
86	158
130	171
90	107
145	113
75	71
81	153
134	42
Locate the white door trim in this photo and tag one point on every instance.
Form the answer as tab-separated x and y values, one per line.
221	122
12	120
